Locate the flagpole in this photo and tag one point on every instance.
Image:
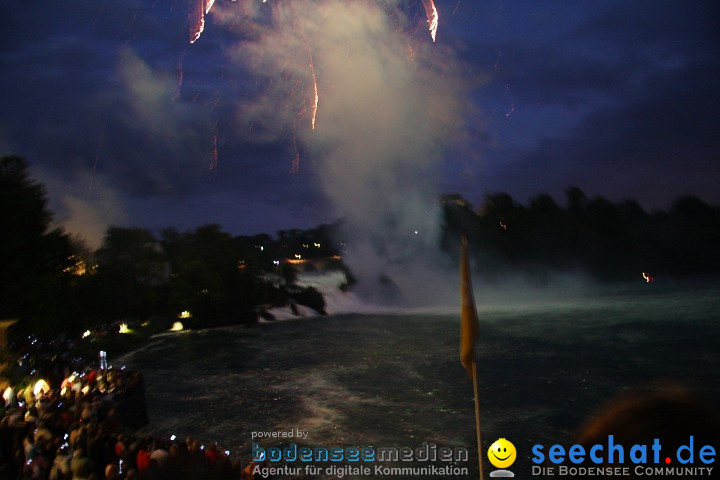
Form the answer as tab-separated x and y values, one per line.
477	416
468	335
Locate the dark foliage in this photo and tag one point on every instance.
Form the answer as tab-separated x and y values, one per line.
54	284
611	241
35	260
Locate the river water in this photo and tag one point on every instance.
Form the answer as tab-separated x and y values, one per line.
395	379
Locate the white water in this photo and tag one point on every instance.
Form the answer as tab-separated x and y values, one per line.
337	302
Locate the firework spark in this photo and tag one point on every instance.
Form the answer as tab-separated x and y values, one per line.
411	53
196	17
512	110
295	165
432	17
497	62
315	93
214	153
179	83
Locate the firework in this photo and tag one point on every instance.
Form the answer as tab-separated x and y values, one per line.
432	17
196	19
197	9
315	93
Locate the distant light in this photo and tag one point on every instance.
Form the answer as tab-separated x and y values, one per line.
184	314
317	245
298	256
177	327
276	262
172	438
86	334
8	394
40	386
123	328
648	278
416	232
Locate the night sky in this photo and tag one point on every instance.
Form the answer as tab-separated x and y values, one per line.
128	123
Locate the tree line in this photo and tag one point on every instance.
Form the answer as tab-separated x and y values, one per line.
53	283
607	240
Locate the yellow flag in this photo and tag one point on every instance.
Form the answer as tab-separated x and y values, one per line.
468	313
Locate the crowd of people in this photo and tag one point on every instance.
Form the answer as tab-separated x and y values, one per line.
85	430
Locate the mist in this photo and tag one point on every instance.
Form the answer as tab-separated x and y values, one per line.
390	102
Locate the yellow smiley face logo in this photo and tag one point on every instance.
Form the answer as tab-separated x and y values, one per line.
502	453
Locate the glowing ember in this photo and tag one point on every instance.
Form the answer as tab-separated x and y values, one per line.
432	17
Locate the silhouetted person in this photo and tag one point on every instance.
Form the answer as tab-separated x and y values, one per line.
667	412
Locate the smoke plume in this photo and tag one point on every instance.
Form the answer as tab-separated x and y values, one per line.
389	103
